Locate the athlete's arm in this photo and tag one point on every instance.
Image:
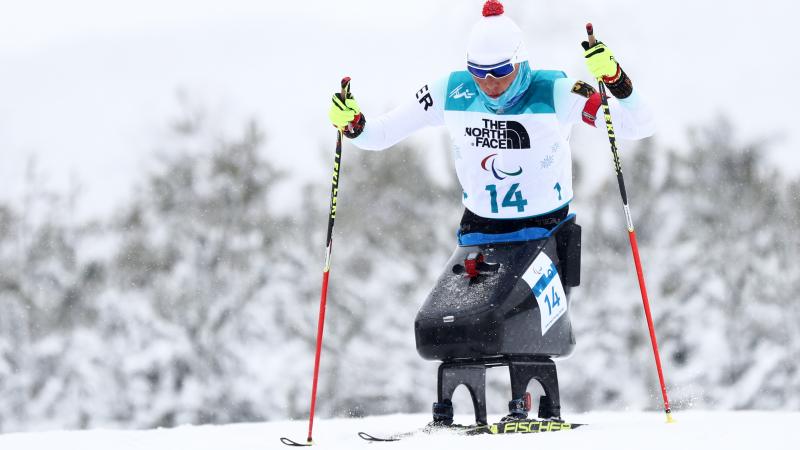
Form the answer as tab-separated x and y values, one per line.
425	108
576	101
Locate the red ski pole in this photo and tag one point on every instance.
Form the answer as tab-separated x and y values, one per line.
325	273
631	234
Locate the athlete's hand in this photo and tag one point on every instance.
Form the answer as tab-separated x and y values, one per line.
346	115
600	61
604	67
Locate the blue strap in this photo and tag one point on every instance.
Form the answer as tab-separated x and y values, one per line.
525	234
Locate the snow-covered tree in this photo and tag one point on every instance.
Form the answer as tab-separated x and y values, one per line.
715	227
395	227
197	303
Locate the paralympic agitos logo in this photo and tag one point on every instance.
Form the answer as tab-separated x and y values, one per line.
500	134
488	165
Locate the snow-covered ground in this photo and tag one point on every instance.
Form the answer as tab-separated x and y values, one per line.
609	430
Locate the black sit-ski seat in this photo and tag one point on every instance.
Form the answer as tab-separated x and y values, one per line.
502	301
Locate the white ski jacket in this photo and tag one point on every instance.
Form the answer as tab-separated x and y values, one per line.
516	163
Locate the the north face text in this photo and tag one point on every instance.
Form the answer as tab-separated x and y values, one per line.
500	134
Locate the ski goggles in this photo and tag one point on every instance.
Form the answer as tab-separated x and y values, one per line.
495	70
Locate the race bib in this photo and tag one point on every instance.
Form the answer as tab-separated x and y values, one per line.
542	277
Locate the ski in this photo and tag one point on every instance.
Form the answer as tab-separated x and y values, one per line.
395	437
523	427
427	429
510	427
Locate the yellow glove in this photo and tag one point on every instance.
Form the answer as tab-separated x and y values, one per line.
600	61
346	115
604	67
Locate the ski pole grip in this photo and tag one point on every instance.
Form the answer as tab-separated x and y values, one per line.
344	93
590	32
345	88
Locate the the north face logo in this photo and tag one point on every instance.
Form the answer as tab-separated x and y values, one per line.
500	134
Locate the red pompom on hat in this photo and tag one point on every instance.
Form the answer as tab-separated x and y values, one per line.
492	8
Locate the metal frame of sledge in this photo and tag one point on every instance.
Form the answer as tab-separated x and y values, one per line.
522	369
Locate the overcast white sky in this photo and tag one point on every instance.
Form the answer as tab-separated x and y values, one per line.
86	86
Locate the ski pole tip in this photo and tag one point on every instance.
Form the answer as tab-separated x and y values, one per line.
291	443
670	419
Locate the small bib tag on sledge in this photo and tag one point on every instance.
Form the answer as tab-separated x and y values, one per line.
542	277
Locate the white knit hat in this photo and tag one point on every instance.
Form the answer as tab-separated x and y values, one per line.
495	39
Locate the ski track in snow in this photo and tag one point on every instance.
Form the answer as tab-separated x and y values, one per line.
607	430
